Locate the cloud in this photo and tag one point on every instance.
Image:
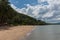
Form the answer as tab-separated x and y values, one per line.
22	10
40	10
56	19
13	6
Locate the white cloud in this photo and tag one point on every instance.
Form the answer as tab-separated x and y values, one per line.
23	10
13	6
43	11
50	1
47	15
56	19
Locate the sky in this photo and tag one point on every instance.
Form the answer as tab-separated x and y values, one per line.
22	3
46	10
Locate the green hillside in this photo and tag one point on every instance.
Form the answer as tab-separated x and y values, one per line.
9	16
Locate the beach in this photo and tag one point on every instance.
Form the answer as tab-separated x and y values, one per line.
15	33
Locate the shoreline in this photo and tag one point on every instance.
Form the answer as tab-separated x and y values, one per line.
15	33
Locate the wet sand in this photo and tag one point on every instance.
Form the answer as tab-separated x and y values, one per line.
15	33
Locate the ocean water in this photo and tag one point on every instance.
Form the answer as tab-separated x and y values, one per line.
47	32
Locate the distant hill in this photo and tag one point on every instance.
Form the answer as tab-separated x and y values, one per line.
53	23
9	16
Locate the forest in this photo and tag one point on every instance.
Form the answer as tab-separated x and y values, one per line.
8	16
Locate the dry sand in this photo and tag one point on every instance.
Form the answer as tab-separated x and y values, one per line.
15	33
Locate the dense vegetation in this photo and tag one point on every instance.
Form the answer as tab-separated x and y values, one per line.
9	16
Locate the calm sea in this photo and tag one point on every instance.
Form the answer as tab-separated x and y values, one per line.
47	32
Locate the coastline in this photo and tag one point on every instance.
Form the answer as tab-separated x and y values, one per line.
15	33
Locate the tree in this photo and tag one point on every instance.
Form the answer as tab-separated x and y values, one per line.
3	11
10	16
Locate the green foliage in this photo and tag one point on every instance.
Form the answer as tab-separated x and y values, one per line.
10	16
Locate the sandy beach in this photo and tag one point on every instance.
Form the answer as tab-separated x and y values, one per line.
15	33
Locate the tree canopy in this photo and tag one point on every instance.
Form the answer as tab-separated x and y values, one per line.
9	16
